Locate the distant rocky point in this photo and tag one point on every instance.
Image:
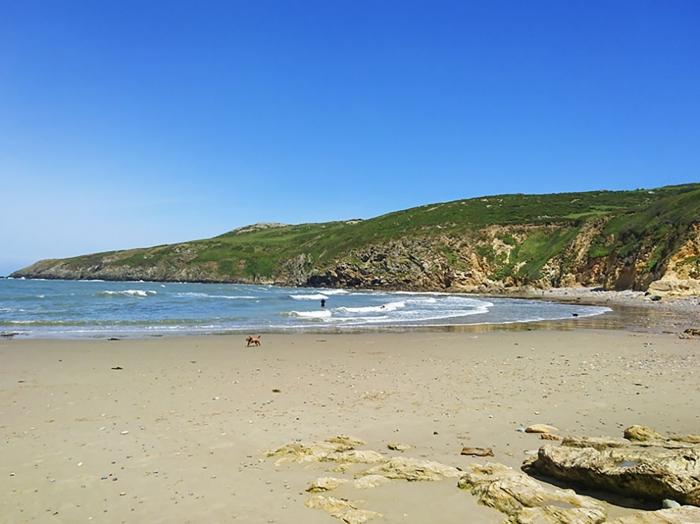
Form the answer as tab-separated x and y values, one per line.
616	240
257	227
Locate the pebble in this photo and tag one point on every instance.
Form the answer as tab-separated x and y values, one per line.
670	504
125	432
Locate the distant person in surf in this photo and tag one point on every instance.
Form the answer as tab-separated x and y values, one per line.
323	302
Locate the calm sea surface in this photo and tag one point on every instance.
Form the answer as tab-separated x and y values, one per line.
69	309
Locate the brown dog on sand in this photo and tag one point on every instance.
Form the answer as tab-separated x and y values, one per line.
252	341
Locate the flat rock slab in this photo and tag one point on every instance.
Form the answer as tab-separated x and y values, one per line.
370	481
651	470
477	452
525	501
322	484
341	509
404	468
682	515
646	434
340	449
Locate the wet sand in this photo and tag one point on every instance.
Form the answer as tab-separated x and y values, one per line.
178	434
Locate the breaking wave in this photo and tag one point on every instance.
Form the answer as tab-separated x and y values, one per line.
141	293
207	295
311	314
317	296
389	306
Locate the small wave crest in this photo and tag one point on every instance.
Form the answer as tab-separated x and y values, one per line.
311	314
207	295
389	306
141	293
317	296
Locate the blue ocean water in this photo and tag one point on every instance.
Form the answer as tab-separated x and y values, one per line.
69	309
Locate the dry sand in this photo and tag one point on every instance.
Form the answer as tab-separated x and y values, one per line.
178	434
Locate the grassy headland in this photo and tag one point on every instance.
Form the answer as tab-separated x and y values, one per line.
617	239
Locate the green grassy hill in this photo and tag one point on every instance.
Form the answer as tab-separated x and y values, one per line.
619	239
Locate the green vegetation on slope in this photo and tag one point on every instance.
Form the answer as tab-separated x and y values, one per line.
656	217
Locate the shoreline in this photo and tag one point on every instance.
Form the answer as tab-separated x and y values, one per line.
623	315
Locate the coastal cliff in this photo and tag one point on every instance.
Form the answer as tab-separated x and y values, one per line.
642	239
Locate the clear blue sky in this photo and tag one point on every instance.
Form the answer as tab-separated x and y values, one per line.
129	123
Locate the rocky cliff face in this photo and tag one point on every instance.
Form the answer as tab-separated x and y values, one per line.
482	245
682	275
485	263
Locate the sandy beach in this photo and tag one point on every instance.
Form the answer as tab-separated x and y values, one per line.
179	432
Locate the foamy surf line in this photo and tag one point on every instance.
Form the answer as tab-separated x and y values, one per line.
355	325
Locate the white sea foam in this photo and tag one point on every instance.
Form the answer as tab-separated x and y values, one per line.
335	292
428	300
389	306
130	293
416	317
318	296
362	320
311	314
207	295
